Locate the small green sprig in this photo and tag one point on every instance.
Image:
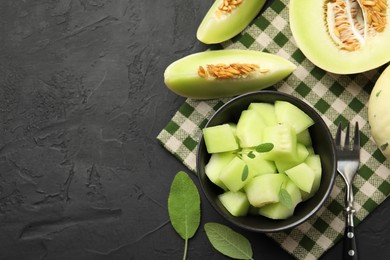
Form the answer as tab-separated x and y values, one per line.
261	148
285	197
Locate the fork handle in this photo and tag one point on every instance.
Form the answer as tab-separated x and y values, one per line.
350	249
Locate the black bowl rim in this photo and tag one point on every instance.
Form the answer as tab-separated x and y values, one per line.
328	136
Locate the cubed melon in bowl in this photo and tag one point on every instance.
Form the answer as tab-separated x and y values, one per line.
313	146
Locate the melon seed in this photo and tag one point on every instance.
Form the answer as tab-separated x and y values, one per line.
224	71
351	22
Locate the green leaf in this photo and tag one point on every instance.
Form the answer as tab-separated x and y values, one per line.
245	173
265	147
251	155
228	242
285	198
384	146
184	207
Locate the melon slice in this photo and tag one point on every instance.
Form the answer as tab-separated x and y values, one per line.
353	49
225	73
226	19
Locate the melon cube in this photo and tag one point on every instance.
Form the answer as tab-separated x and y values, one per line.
284	140
304	138
266	112
235	202
287	113
231	174
279	210
258	165
302	153
314	162
249	128
264	189
219	139
217	162
302	175
310	149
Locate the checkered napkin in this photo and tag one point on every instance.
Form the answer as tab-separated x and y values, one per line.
338	98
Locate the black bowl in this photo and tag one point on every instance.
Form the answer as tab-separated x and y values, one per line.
322	143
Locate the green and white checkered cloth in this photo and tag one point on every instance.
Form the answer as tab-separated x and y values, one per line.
338	98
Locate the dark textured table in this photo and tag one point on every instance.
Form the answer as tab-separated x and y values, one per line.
82	100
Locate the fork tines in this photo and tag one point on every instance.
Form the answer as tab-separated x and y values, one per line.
346	145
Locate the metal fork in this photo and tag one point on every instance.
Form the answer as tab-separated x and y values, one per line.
348	160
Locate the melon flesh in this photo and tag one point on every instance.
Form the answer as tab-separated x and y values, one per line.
264	189
280	211
220	139
303	176
231	175
310	32
214	167
235	202
249	129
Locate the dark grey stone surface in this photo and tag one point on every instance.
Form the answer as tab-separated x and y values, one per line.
82	100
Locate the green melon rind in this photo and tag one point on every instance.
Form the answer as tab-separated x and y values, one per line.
216	30
182	77
307	23
378	112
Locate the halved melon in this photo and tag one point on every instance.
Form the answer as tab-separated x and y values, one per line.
378	112
342	36
225	73
227	18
